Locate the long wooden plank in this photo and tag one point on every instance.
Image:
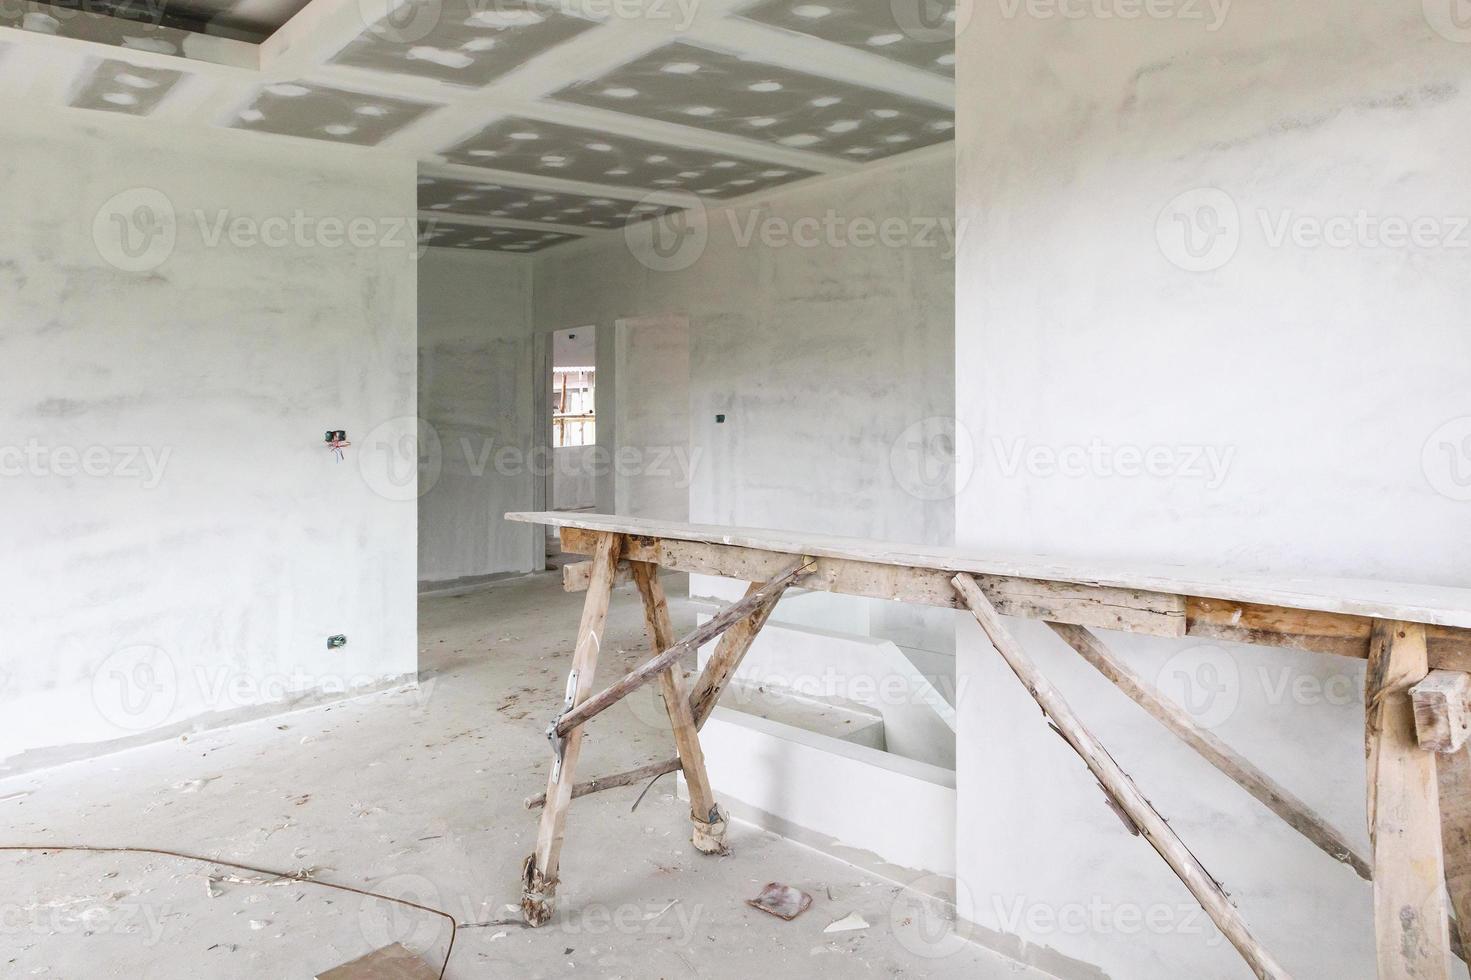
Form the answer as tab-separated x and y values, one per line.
1319	632
1119	786
676	701
1298	815
1411	934
703	634
1412	602
1104	608
1129	610
542	867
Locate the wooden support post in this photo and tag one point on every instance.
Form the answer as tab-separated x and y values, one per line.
1442	712
1299	815
709	823
726	660
1119	786
539	875
1453	778
1411	932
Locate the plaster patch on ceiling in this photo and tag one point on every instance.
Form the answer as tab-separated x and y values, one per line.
115	86
523	204
323	113
530	146
462	42
682	83
524	240
151	33
919	33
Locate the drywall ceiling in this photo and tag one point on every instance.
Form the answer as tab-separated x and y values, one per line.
549	120
116	86
488	237
529	146
685	84
326	113
921	34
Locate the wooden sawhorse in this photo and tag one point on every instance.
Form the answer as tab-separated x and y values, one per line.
1416	640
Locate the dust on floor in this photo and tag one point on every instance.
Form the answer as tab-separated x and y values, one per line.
418	794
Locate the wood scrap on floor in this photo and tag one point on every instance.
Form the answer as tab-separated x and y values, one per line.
389	963
782	901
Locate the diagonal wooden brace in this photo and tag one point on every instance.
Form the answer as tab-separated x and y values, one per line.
703	811
1117	785
649	670
708	687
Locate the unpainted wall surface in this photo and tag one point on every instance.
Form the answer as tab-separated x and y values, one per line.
180	323
820	345
476	369
653	401
1191	329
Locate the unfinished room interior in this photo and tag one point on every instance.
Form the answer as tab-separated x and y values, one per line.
735	488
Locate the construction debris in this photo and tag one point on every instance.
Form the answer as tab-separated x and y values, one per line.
848	923
782	901
390	963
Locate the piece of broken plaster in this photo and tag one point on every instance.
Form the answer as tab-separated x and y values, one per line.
848	923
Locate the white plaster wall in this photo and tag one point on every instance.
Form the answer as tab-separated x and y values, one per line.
820	357
1323	371
652	358
179	542
575	482
476	371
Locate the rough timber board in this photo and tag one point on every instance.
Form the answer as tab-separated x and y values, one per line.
1430	604
390	963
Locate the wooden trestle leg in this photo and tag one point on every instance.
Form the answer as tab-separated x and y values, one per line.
1411	932
539	874
709	822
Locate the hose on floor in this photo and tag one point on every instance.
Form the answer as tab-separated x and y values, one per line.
282	875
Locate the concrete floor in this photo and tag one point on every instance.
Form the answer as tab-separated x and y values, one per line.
418	794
